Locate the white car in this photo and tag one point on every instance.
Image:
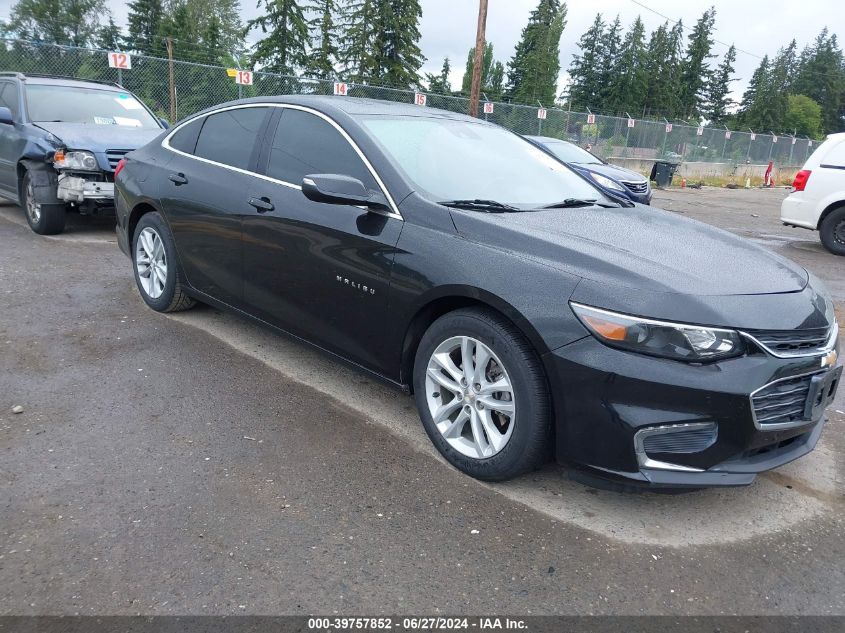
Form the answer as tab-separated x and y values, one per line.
817	200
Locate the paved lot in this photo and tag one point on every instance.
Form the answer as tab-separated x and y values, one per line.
198	464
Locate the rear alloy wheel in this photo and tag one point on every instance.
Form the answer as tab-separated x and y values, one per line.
832	231
44	219
482	395
156	269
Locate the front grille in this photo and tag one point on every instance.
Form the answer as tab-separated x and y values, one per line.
792	342
638	186
692	438
782	402
114	156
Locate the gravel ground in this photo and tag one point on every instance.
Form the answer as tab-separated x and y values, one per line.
201	465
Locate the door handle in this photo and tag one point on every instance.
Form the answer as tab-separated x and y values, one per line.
178	179
262	205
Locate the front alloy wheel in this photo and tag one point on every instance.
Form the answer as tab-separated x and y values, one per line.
482	394
470	397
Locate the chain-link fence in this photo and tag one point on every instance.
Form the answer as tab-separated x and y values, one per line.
198	86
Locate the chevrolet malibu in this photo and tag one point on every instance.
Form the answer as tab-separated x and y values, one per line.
529	315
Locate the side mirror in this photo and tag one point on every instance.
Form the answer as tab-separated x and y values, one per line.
6	116
337	189
164	124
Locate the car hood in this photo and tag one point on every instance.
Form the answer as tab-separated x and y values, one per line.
611	171
638	247
99	138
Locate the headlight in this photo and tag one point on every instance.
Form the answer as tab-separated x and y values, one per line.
606	182
659	338
75	160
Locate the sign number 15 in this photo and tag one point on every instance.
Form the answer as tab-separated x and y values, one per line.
120	60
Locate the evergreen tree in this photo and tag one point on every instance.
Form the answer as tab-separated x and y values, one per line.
659	96
492	73
821	77
356	44
283	49
719	88
533	70
609	63
695	71
756	108
69	22
629	86
440	83
144	25
109	36
324	55
397	57
585	71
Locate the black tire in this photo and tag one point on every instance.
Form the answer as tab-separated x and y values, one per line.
529	444
832	231
43	218
173	297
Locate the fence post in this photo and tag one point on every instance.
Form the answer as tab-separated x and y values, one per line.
171	79
539	122
627	134
771	145
238	66
665	136
750	141
792	146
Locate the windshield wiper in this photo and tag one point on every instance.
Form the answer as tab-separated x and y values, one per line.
579	202
491	206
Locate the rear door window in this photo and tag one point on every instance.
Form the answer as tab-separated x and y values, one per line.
185	138
307	144
836	156
230	137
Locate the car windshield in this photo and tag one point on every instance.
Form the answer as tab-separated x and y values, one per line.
570	153
463	160
73	104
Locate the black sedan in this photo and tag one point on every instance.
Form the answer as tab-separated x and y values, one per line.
614	180
528	314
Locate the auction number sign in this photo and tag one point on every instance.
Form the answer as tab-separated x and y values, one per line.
668	128
631	122
488	108
243	77
541	113
699	131
341	89
419	99
120	60
591	119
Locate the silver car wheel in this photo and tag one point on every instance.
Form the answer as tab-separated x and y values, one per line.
470	397
151	262
33	209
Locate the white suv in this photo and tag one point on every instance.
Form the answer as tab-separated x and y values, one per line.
817	200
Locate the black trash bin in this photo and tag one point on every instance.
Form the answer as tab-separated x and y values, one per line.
662	172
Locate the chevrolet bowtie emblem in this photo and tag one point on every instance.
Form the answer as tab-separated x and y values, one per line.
829	359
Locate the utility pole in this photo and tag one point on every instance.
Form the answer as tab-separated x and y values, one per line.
172	80
475	87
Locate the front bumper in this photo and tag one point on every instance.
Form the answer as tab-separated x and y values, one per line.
78	189
604	397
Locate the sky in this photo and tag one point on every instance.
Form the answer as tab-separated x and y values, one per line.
448	26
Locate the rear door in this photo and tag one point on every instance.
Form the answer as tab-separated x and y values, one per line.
207	196
319	270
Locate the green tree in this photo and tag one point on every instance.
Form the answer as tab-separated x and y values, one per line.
695	71
357	23
756	109
144	24
719	89
285	42
440	83
492	73
533	70
397	57
610	48
324	55
629	86
68	22
821	76
585	71
803	116
109	37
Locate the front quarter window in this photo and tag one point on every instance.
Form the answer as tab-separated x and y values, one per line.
450	159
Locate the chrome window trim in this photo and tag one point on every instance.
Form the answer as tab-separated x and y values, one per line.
828	346
165	143
779	426
646	462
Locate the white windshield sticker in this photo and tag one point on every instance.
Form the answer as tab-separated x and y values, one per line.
104	120
120	120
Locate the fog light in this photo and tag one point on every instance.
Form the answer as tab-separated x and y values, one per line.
681	439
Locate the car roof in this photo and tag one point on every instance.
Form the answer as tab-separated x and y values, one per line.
355	107
43	80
